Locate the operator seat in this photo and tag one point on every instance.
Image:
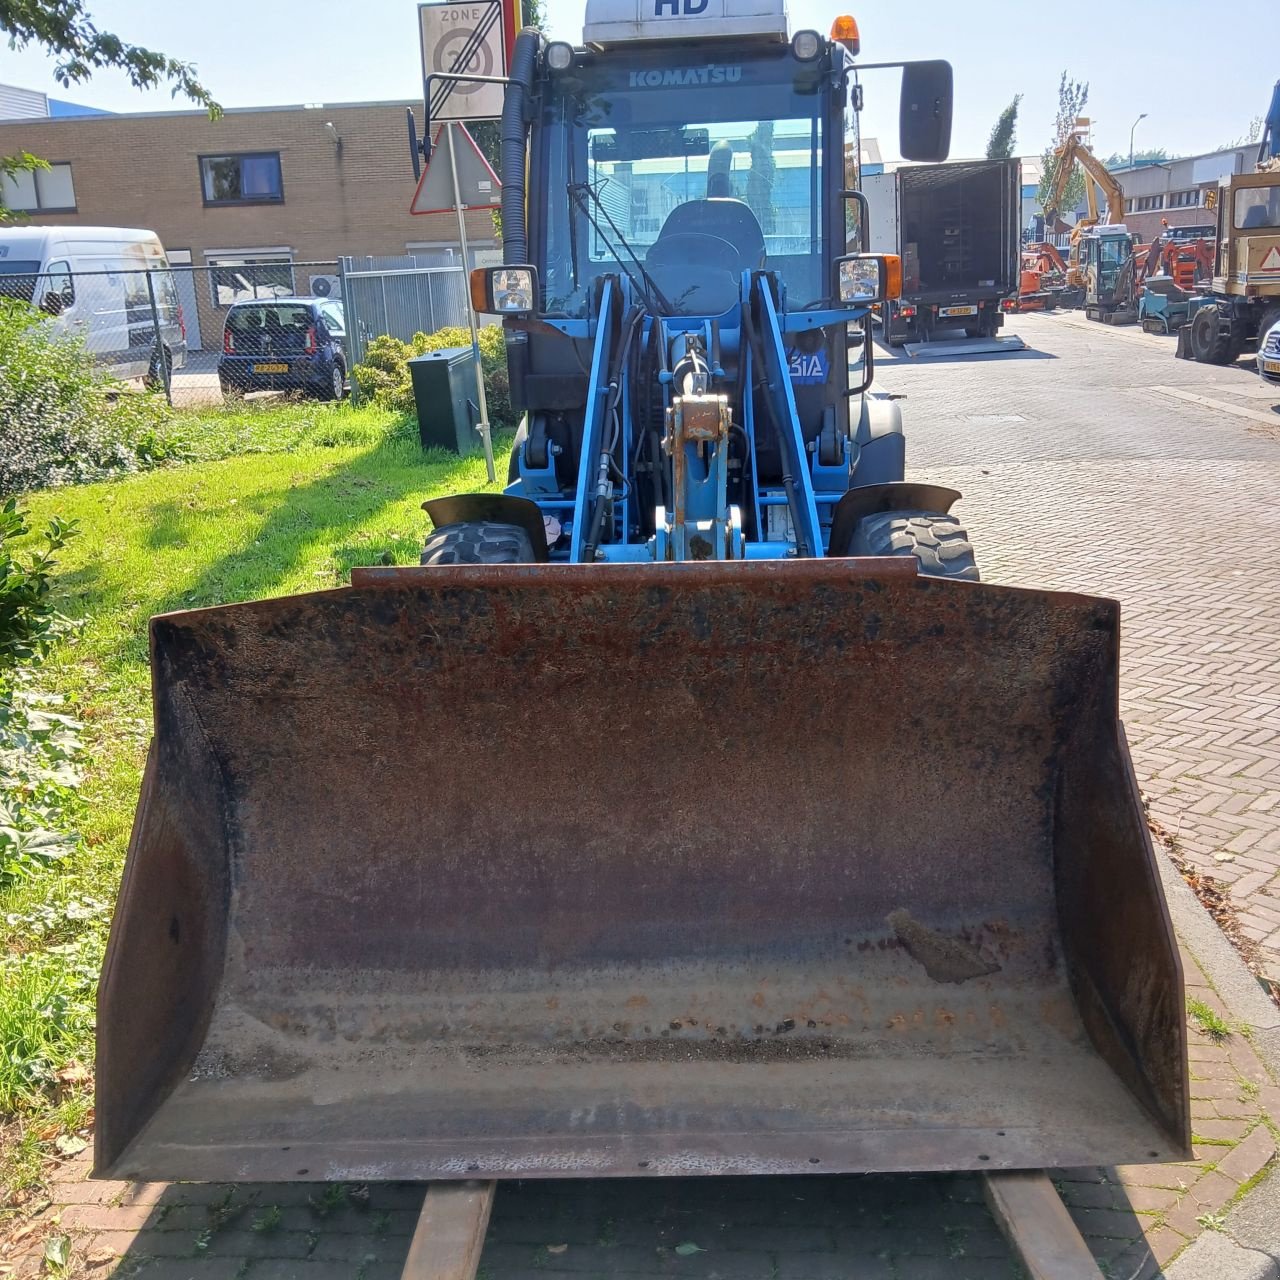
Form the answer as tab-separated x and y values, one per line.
726	219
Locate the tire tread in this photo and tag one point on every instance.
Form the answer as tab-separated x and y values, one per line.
478	542
938	542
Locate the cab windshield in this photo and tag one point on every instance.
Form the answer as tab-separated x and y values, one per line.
1257	207
683	178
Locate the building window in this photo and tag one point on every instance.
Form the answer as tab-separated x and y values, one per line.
1184	199
1146	203
1128	205
251	178
39	190
241	277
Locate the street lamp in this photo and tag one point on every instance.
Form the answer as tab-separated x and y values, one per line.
1136	123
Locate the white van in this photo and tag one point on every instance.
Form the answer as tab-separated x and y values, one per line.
94	281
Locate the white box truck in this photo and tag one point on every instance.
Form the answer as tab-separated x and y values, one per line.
958	230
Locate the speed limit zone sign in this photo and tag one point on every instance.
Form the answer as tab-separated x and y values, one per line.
461	38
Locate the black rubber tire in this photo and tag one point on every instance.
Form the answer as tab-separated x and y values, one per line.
331	390
938	542
1209	344
478	542
160	364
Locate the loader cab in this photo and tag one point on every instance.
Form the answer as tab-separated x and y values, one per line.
696	168
680	232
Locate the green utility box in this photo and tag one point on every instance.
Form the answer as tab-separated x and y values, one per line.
444	394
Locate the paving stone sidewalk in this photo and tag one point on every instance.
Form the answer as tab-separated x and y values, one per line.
1099	463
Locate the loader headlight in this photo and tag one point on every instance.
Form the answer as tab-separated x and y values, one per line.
559	56
866	278
505	291
806	45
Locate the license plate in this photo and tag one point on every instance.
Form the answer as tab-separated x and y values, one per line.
957	311
271	368
1271	366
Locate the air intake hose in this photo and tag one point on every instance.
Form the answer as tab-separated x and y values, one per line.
515	235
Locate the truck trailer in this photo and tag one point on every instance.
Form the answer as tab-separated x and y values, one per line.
957	229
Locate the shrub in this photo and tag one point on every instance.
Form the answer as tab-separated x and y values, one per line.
383	377
60	421
40	748
28	622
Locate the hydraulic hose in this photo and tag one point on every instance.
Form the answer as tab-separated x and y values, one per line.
513	152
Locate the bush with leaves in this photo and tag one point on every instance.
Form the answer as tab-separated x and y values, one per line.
40	747
61	419
383	377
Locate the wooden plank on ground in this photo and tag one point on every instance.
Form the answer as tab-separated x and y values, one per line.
449	1237
1030	1212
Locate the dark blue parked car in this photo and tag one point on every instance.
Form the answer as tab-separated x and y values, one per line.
285	344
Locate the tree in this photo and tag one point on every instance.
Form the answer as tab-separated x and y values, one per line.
1000	144
63	29
1150	155
1072	96
1250	135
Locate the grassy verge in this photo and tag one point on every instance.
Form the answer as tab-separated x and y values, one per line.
288	499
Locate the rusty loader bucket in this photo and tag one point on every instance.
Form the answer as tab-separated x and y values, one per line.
805	866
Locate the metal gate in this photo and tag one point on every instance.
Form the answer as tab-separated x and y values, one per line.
400	297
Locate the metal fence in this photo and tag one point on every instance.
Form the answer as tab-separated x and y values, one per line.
400	297
167	329
163	330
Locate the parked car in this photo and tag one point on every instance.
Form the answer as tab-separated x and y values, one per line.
1269	354
98	283
285	344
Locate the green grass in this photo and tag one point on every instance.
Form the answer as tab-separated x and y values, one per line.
1214	1026
291	498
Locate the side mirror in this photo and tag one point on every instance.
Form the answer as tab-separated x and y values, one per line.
504	291
924	115
863	279
52	303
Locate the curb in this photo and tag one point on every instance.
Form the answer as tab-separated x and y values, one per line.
1239	989
1248	1246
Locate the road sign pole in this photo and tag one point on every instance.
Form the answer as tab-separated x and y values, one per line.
471	315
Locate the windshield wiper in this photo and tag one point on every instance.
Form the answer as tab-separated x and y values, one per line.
657	301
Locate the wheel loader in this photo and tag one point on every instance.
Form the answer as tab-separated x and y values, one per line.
692	808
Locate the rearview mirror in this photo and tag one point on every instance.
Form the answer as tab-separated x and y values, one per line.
924	116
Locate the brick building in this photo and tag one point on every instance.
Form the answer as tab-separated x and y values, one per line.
1175	189
268	196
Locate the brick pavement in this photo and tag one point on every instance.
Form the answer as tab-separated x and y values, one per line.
1077	476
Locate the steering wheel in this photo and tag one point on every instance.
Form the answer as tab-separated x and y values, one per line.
694	248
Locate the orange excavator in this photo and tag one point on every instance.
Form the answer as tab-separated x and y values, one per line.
1043	285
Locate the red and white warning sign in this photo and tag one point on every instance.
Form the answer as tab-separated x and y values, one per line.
1272	261
478	185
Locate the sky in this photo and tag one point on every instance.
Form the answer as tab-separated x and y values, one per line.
265	52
